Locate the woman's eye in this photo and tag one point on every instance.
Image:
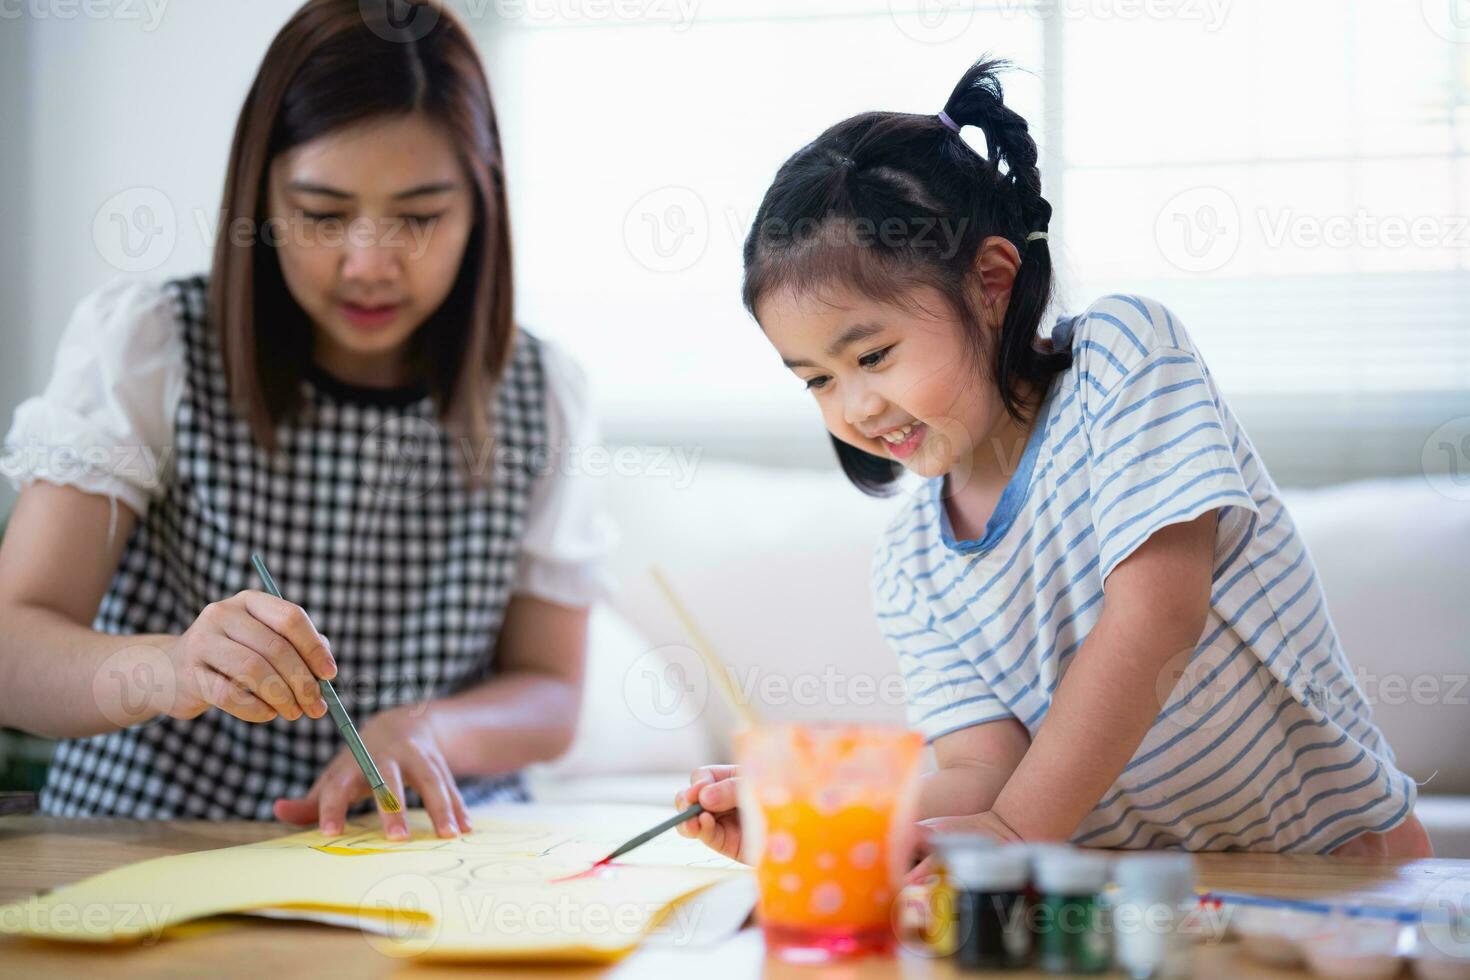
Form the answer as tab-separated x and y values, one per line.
875	358
813	384
419	220
320	215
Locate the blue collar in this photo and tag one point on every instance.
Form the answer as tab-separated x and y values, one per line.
1017	489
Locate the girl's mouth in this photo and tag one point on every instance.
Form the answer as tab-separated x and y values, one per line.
909	444
370	316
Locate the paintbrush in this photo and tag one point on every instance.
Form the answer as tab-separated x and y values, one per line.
381	792
653	832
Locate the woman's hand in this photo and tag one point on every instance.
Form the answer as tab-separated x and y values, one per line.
406	750
252	655
714	788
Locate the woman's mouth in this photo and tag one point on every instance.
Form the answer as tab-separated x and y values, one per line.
902	442
369	317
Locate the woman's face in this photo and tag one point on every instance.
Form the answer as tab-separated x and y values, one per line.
371	227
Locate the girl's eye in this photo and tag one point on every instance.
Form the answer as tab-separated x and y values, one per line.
814	383
875	358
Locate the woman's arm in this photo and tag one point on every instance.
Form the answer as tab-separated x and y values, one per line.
55	564
528	711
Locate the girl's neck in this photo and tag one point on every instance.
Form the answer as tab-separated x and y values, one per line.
971	499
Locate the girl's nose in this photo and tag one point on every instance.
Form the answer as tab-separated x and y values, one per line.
861	405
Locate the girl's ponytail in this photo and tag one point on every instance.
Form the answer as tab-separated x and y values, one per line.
978	100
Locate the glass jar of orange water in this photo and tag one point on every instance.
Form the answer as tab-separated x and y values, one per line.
828	810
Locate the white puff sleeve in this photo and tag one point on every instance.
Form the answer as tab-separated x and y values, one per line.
104	422
568	532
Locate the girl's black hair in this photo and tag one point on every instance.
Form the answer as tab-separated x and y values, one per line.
887	201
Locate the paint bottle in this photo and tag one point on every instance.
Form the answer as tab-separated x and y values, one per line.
947	909
1071	935
993	928
1155	895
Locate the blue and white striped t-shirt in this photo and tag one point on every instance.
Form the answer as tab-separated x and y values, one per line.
1266	742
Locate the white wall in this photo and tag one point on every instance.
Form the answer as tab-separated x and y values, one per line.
140	104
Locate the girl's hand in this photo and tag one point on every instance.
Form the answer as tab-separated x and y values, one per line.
714	788
406	750
252	655
986	823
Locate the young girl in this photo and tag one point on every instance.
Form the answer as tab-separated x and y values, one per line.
347	394
1110	629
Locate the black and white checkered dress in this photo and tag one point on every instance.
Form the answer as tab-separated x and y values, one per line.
366	521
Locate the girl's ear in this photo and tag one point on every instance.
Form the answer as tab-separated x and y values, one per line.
996	264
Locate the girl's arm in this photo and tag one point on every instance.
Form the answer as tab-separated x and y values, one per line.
973	766
527	712
1155	608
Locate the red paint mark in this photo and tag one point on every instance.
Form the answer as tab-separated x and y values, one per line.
604	865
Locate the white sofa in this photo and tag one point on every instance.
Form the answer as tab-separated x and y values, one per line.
774	565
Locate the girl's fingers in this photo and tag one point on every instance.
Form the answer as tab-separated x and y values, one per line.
716	797
712	774
395	825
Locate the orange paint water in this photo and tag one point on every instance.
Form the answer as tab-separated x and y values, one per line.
832	810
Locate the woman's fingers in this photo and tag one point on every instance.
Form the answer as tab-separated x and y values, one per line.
252	672
342	785
429	781
227	693
291	671
461	812
291	622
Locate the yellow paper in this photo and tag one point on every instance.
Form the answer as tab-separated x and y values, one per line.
502	891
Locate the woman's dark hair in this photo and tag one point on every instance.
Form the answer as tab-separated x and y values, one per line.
884	202
335	64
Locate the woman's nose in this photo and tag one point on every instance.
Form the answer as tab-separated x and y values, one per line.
371	253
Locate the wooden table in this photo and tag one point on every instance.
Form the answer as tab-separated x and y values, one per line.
38	853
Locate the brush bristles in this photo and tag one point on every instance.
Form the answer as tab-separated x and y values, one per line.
386	800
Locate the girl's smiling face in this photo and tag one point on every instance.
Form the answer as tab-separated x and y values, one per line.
375	220
899	381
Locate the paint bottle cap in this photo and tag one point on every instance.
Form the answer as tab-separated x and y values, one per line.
1158	873
988	869
1070	871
